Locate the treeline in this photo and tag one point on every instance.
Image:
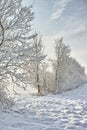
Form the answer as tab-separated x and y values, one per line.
65	73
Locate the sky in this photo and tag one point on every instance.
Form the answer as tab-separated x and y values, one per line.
62	18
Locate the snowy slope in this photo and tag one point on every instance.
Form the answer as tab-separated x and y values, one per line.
67	111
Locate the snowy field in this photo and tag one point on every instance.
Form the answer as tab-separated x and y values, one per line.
67	111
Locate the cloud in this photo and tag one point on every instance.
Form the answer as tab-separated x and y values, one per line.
74	31
58	8
79	29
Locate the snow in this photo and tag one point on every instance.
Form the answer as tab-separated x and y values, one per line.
66	111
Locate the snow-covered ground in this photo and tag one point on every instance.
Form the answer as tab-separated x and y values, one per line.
67	111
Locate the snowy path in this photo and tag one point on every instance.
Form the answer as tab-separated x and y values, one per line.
61	112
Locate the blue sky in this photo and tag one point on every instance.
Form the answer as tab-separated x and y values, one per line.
66	18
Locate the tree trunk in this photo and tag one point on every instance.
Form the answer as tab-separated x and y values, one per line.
39	91
2	34
38	82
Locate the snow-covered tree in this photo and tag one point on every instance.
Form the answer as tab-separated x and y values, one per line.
15	21
68	72
62	55
35	61
75	74
47	77
15	36
43	75
5	100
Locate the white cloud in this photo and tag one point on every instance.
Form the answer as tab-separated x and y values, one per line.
58	8
78	29
73	30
